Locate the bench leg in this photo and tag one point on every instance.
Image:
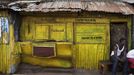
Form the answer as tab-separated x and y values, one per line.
102	70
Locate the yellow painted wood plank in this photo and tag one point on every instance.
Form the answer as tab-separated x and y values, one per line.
53	62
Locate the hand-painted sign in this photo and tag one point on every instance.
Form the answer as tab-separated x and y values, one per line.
92	20
4	24
4	29
90	33
58	32
86	20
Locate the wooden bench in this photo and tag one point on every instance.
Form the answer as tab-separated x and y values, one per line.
104	66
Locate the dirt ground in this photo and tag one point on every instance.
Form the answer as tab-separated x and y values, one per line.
27	69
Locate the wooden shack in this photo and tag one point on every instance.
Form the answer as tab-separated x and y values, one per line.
63	34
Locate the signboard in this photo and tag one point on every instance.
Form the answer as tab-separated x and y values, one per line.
92	20
58	32
90	33
4	29
5	25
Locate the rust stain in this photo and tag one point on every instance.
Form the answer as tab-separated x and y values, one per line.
73	6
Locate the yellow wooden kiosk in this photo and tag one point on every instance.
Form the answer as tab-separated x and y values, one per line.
67	34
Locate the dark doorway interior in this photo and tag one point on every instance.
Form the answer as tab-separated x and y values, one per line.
118	30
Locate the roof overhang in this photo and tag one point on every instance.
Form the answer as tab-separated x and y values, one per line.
73	6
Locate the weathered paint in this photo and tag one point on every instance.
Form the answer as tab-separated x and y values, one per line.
45	62
90	33
83	53
9	50
70	49
4	49
88	55
4	57
26	48
64	50
91	39
14	52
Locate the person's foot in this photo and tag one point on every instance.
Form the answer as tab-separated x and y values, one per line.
130	74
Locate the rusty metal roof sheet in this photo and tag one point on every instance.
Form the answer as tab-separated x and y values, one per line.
73	6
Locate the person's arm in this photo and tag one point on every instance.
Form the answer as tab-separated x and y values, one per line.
112	53
117	46
124	56
122	48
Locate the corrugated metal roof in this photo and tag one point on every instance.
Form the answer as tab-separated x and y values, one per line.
73	6
4	4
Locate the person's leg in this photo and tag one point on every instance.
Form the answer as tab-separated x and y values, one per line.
125	67
132	71
114	66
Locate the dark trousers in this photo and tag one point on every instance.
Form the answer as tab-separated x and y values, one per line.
115	62
131	70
